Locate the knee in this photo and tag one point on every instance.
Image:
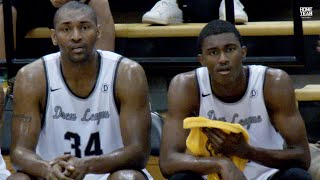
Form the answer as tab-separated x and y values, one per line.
127	175
186	176
19	175
295	174
298	173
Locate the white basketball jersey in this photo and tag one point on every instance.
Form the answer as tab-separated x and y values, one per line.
4	173
80	126
250	111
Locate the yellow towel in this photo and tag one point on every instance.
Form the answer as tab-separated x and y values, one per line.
196	141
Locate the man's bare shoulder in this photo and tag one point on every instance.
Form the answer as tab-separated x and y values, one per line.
128	66
130	74
187	79
32	70
31	77
183	95
277	76
183	85
278	88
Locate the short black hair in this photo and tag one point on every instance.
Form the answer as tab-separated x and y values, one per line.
217	27
75	5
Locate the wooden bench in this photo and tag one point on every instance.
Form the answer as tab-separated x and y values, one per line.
270	28
308	93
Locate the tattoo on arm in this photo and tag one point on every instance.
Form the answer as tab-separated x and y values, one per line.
22	117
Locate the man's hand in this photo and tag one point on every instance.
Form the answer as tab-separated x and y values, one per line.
80	168
58	166
227	144
229	171
55	171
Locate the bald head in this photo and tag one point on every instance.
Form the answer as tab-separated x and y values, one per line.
74	6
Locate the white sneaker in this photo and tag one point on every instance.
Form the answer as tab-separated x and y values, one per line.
163	12
239	14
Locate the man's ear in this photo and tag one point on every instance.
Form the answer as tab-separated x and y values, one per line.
244	51
201	59
98	31
54	37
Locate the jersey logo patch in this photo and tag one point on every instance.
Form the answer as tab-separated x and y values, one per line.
52	90
205	95
105	88
253	93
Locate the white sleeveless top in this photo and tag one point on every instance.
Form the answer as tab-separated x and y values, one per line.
80	126
250	111
4	173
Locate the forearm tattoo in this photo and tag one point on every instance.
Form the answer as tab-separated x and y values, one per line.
22	117
24	126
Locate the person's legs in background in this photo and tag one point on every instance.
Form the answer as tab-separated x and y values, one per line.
26	15
168	12
185	176
2	35
239	13
163	12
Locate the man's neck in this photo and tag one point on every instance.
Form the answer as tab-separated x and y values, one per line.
232	91
81	77
76	71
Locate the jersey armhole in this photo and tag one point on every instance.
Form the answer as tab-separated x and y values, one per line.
117	104
47	89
